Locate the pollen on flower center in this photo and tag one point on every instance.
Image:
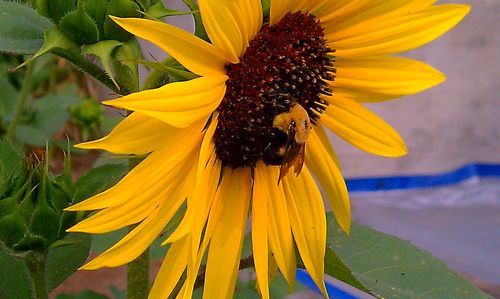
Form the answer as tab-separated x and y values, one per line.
285	65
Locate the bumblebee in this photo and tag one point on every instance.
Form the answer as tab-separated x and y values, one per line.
288	147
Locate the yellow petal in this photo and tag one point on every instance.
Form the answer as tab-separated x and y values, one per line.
228	186
312	7
231	24
199	202
136	208
137	134
253	22
343	9
355	19
362	128
179	104
319	160
308	221
171	269
398	34
227	239
279	8
280	234
136	241
385	77
319	131
200	205
360	95
260	197
192	52
148	173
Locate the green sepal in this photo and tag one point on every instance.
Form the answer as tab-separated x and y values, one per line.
125	64
45	220
60	8
58	199
266	8
159	10
45	223
30	243
156	79
103	51
42	7
97	11
12	229
79	26
175	71
145	4
119	8
68	219
54	39
11	203
64	180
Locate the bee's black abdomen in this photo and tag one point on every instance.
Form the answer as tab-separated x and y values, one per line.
272	152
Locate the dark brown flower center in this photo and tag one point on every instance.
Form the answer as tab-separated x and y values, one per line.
285	64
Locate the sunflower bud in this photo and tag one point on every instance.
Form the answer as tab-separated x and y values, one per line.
31	203
88	115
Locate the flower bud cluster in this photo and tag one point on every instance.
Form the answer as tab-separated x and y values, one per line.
31	202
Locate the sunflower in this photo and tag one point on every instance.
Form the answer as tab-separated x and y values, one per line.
247	136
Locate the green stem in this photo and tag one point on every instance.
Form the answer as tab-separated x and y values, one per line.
138	270
138	277
25	92
36	267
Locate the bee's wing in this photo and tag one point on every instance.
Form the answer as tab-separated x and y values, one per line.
294	156
299	160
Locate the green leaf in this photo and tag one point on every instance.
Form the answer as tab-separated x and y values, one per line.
65	260
83	295
101	242
52	112
21	28
15	281
394	268
80	27
117	293
98	180
336	268
8	97
159	10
